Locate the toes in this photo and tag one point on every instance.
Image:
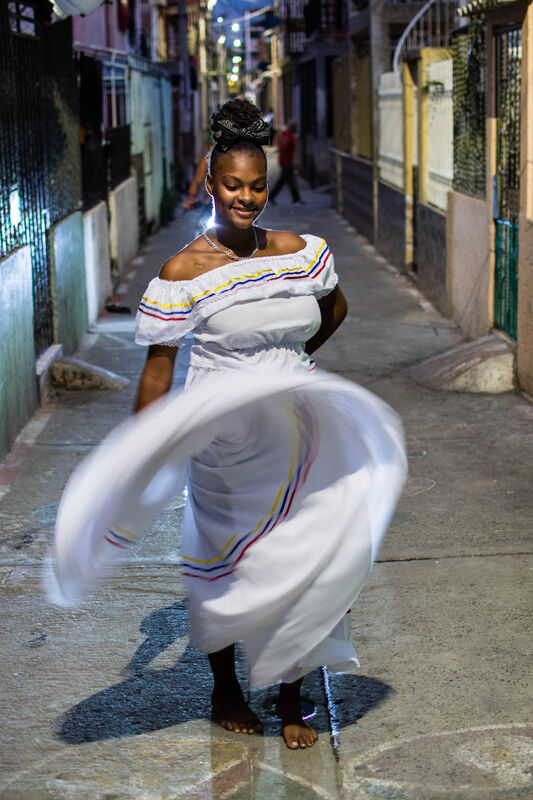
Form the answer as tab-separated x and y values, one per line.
299	739
241	727
294	745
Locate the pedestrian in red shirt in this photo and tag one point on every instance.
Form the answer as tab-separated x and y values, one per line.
286	149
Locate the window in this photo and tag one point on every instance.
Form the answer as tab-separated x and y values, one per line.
21	18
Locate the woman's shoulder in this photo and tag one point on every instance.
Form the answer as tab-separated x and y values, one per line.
191	261
285	242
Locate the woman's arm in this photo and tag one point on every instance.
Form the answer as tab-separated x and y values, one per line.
333	309
156	378
195	184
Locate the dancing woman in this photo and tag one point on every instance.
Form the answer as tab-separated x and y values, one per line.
292	473
257	298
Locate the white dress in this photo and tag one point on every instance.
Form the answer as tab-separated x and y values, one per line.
293	474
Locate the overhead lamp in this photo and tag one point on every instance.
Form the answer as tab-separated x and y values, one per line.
221	39
235	68
235	27
236	59
233	79
237	43
220	20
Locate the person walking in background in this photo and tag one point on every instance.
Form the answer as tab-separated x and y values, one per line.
197	185
286	152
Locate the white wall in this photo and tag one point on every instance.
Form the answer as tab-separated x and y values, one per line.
439	174
391	150
124	225
151	108
97	260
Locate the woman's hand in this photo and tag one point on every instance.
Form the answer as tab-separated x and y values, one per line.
333	310
156	378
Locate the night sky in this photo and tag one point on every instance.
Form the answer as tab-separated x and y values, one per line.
232	9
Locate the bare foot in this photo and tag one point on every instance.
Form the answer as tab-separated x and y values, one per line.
233	713
296	733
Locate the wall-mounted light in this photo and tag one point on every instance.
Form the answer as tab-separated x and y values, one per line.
237	43
221	39
14	207
235	27
220	20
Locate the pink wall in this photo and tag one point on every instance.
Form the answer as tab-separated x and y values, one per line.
101	27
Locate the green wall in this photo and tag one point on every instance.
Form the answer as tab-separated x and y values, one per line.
68	282
18	388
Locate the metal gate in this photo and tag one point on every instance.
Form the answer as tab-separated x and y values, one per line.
506	188
40	179
23	172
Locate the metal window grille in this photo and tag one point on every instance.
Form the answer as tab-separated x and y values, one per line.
297	42
296	9
507	180
39	146
508	102
469	112
22	18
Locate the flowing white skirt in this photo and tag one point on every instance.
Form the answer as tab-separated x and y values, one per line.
292	482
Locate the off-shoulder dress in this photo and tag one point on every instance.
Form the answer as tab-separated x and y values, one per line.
292	473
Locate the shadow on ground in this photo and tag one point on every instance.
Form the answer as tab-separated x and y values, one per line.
152	699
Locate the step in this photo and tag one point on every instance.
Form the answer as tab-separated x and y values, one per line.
484	365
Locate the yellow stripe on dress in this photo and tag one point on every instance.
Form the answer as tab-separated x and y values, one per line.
233	280
295	440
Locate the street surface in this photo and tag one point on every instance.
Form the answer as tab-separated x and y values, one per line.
110	701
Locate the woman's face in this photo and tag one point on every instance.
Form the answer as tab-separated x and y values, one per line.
238	188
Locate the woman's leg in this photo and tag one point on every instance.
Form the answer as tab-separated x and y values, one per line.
278	185
292	182
295	732
229	706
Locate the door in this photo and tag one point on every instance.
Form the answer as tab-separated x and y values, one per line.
506	182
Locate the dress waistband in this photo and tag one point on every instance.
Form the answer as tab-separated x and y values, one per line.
221	358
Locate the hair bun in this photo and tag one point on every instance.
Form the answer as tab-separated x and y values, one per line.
226	133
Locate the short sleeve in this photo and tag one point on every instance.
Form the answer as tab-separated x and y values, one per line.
165	313
322	272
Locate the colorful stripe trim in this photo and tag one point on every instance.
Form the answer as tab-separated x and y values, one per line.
305	439
120	537
175	312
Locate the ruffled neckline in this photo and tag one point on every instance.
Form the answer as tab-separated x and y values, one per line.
312	243
169	309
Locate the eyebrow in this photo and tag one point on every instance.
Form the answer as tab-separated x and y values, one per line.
235	178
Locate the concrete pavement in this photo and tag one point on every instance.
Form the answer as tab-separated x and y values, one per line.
111	701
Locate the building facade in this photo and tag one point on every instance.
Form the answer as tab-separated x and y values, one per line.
434	165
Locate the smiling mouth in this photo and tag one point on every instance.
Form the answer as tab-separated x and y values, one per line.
245	211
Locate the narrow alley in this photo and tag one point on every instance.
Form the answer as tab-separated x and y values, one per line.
110	701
